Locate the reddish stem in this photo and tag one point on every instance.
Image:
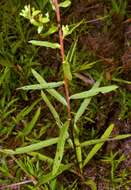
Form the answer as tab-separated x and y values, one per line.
57	9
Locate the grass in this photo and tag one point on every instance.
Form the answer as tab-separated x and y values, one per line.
40	147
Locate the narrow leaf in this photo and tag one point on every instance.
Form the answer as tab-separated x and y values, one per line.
42	86
28	128
66	69
47	178
53	92
97	147
52	109
86	102
36	146
93	92
96	141
60	148
45	44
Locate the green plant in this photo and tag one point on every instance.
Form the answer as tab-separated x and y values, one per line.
115	161
59	107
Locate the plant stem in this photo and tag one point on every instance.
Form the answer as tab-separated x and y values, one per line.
66	84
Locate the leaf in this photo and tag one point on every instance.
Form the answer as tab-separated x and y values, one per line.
121	81
47	178
68	29
97	147
66	69
45	44
25	112
52	109
96	141
80	111
93	92
71	52
77	147
85	103
60	148
51	30
65	4
53	92
42	86
28	128
36	146
90	183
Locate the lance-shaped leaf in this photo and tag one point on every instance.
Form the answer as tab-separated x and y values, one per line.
28	128
52	109
45	44
60	148
85	102
94	92
97	147
36	146
66	69
42	86
53	92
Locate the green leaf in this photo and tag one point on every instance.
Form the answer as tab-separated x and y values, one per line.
36	146
96	141
77	147
60	148
28	128
94	92
51	30
47	178
65	4
45	44
97	147
66	69
71	52
53	92
90	183
24	112
52	109
68	29
85	103
121	81
42	86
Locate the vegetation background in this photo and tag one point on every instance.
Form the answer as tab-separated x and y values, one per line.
100	47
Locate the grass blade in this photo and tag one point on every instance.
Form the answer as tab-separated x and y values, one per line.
47	178
28	128
97	147
60	148
96	141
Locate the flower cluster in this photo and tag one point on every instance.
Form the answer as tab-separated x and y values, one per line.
35	16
